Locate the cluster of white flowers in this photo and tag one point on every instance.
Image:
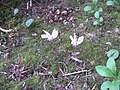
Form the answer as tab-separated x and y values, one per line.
74	40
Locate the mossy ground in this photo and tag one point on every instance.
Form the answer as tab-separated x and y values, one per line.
54	56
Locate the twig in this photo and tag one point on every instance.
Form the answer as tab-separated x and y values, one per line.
68	74
94	87
36	2
61	71
67	87
30	3
43	67
44	86
63	74
46	74
4	30
76	59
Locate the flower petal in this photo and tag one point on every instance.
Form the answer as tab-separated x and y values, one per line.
80	40
74	43
71	37
73	40
46	33
54	33
44	36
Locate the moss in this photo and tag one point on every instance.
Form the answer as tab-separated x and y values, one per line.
33	82
36	50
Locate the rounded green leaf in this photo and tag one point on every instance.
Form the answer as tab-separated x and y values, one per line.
104	71
113	53
95	22
115	85
29	22
109	3
111	65
16	10
94	2
97	14
100	9
87	8
106	85
101	19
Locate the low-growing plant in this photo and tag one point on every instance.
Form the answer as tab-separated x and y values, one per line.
95	10
111	2
110	71
29	22
76	41
16	10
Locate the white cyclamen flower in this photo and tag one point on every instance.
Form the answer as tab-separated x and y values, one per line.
49	36
76	41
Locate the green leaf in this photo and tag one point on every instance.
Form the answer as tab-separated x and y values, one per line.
94	2
113	53
104	71
119	75
87	8
97	14
29	22
95	22
16	10
100	9
111	65
115	1
115	85
101	19
109	3
105	85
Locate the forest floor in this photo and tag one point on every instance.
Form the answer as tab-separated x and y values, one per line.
29	62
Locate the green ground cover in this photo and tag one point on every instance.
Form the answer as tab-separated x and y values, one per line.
29	62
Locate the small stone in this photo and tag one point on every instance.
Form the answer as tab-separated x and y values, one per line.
109	32
34	34
109	43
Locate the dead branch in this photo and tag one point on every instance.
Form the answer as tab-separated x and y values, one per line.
73	73
76	59
46	74
4	30
94	87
